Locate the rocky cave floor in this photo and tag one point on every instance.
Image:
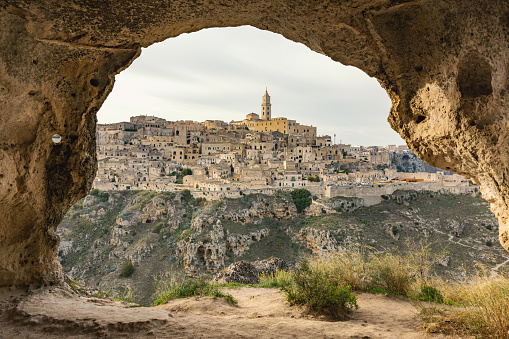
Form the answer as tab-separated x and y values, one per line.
261	313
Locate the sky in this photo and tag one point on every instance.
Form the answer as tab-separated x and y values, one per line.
222	74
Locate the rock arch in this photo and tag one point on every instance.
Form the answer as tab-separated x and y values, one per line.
443	63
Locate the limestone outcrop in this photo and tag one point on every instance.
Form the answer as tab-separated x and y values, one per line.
96	246
443	64
319	241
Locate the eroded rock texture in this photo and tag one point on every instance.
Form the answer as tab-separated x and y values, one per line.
444	65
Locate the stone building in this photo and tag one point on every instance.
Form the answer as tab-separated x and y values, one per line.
268	124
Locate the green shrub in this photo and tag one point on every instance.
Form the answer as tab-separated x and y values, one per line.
103	196
199	201
94	192
316	289
127	269
186	196
186	171
301	198
192	287
430	293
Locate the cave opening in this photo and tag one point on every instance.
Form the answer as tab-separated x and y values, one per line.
218	75
62	95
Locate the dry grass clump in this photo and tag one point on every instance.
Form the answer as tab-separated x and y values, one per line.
347	267
389	273
173	285
489	307
280	278
382	272
314	286
324	284
481	308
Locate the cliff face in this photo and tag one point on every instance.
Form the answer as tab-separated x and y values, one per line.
166	234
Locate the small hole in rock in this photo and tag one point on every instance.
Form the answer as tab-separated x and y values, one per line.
94	82
420	119
73	136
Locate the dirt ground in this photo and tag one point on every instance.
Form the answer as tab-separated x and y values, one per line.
260	313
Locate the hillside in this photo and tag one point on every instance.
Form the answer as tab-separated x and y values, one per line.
165	234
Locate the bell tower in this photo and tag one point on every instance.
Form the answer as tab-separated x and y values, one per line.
266	106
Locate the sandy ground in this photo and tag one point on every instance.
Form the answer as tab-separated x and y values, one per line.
264	313
260	313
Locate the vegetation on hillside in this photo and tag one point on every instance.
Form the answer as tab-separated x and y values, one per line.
189	287
180	174
102	196
318	290
479	307
147	226
301	198
127	269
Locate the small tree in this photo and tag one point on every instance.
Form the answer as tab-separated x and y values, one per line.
186	196
186	171
301	198
103	196
127	269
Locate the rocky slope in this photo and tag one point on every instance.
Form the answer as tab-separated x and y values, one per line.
166	234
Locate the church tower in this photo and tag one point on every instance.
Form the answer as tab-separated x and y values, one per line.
266	106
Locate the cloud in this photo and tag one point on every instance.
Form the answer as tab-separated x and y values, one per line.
222	73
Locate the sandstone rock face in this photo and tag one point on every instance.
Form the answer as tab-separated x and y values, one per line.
443	63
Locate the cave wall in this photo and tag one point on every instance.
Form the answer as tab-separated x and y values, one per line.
444	65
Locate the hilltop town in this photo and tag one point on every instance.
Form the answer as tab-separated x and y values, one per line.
217	159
